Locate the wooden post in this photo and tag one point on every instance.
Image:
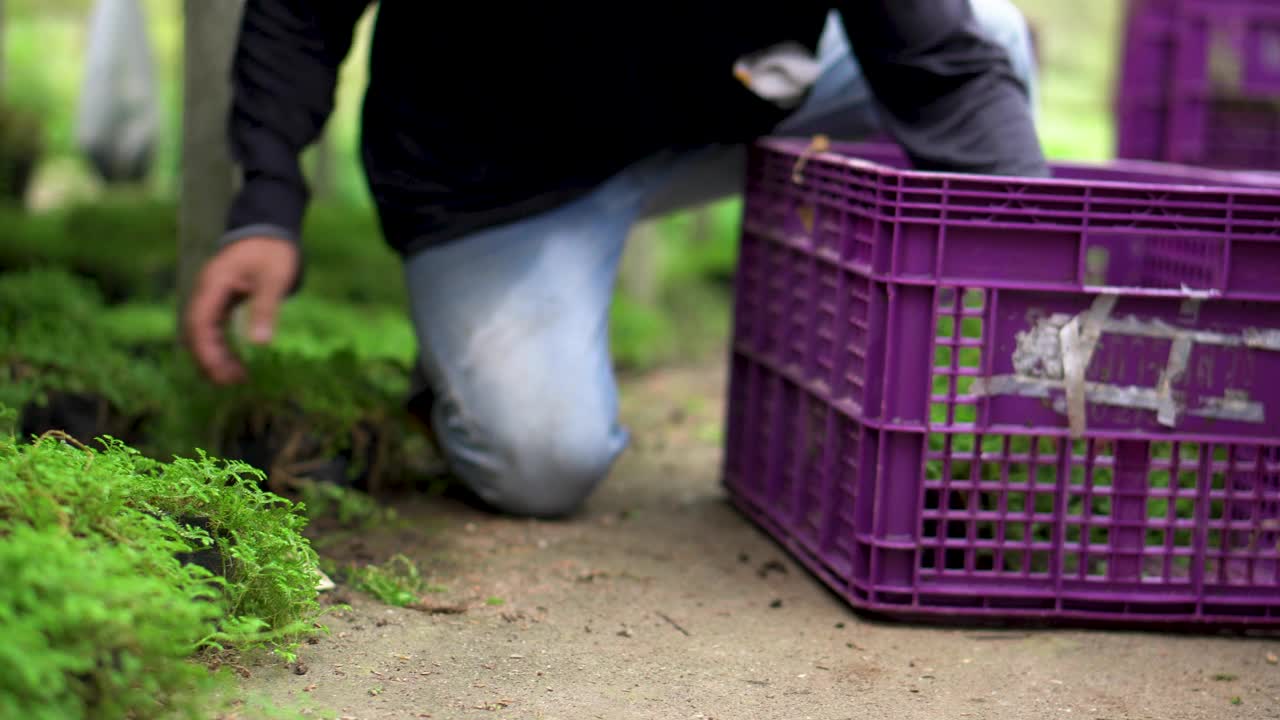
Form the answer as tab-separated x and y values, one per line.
210	28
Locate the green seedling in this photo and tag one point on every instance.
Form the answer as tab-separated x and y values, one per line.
396	582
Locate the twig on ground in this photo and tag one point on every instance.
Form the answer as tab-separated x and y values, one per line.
673	623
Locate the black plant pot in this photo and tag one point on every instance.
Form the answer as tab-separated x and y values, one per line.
263	445
83	416
210	558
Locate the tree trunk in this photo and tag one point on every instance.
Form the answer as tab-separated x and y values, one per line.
208	180
2	66
638	271
323	169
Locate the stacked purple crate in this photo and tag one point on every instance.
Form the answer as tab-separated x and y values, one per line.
1200	83
1003	397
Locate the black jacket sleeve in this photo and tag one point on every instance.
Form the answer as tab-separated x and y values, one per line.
284	74
946	93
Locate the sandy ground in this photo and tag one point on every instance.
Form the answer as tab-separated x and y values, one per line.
662	601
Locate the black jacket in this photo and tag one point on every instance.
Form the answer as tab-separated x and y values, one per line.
477	114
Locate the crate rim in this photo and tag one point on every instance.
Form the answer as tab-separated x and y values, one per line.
1255	183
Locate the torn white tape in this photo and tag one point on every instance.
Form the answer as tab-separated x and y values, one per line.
1078	340
1235	407
1167	408
1054	355
1262	339
1032	344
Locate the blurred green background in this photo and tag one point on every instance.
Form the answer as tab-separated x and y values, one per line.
673	298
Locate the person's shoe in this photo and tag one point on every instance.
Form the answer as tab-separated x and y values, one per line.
418	405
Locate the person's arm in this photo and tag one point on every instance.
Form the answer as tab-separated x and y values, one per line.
284	74
946	93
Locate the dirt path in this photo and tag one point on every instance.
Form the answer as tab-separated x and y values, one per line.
663	602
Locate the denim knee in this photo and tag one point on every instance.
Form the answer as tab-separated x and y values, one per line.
540	462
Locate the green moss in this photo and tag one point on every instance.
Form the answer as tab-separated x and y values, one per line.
53	339
347	259
127	248
313	326
212	512
331	384
92	630
294	414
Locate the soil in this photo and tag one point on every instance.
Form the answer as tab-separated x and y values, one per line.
661	601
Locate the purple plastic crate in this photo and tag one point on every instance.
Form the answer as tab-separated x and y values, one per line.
908	348
1200	83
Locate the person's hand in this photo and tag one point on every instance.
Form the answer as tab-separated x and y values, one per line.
260	270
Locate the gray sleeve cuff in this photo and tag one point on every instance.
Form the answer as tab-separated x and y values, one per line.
258	230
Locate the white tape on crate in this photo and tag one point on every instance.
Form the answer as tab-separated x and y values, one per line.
1052	357
1078	339
1168	409
1239	408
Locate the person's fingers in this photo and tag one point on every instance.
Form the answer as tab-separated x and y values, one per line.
210	304
260	270
270	288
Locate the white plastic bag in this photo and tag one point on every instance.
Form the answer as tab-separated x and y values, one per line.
119	113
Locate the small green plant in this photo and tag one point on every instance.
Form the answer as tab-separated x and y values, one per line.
494	601
396	582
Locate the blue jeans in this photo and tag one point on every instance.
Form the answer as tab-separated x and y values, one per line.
512	322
